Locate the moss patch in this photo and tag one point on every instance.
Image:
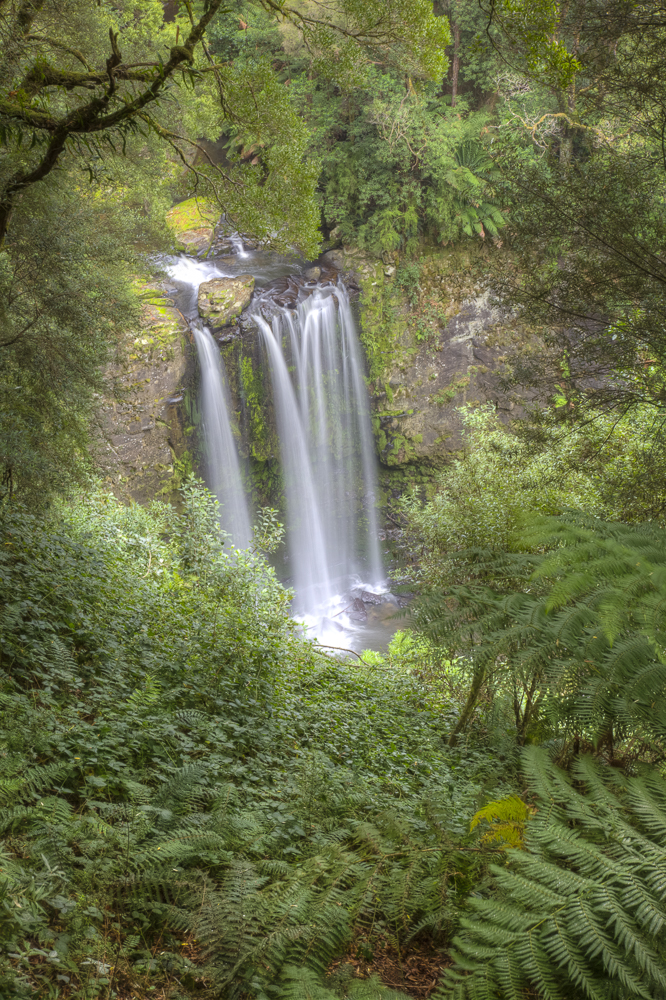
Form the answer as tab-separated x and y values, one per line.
192	214
253	396
161	326
380	321
450	391
222	300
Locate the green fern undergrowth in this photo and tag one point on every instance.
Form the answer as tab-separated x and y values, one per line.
193	801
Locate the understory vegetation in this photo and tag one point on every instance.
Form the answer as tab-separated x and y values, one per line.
553	614
198	801
194	798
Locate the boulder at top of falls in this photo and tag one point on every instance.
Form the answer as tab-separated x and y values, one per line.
194	240
334	258
222	300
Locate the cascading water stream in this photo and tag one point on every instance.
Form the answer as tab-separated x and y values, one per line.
223	466
326	451
326	448
222	461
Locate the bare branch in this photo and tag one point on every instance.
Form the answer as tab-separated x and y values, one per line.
21	333
172	138
113	62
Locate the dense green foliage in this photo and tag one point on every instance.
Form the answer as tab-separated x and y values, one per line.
579	644
178	765
582	160
399	167
59	331
605	467
175	754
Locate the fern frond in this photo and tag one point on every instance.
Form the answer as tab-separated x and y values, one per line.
580	912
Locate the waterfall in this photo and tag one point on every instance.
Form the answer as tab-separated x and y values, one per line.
222	462
326	449
223	466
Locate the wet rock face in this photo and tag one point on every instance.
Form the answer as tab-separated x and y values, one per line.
430	350
287	292
374	609
421	420
139	420
222	300
333	258
192	241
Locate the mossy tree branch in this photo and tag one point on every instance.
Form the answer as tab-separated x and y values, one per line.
54	43
42	75
94	117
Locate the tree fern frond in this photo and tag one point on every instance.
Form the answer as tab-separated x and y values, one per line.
580	912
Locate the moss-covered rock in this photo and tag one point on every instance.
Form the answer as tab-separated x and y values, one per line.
193	224
142	436
434	339
222	300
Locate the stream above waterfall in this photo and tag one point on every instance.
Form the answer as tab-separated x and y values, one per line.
313	362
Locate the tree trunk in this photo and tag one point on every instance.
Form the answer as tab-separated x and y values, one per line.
477	680
567	104
455	66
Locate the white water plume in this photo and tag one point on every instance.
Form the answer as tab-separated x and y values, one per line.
223	466
326	450
222	461
238	245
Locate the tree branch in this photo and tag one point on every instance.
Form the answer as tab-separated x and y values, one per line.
92	117
42	76
59	45
370	34
170	137
8	343
112	63
23	180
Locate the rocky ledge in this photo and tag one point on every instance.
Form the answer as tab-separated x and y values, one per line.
222	300
193	224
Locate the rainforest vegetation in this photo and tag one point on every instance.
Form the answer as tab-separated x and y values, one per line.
197	801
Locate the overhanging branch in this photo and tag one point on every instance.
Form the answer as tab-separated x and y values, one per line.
95	116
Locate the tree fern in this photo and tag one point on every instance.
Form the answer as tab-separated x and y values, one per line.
581	912
506	818
583	639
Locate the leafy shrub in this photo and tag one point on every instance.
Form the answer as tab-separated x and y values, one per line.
600	465
178	764
399	166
